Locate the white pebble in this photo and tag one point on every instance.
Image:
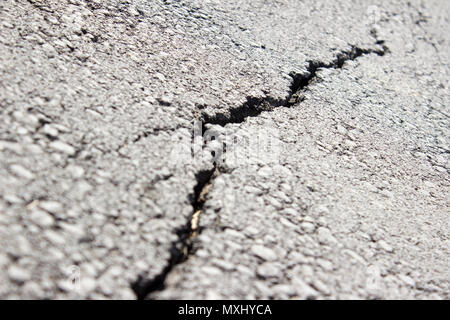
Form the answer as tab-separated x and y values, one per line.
42	218
21	171
62	147
18	274
263	252
325	236
51	206
54	237
50	130
385	246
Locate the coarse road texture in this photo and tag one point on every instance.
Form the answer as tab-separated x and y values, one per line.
108	190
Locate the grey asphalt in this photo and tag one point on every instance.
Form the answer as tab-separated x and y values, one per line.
110	188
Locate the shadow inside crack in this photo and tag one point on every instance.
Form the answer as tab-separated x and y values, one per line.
180	249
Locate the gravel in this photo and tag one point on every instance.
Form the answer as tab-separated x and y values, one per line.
97	175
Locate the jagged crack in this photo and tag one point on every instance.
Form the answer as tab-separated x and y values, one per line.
254	106
183	246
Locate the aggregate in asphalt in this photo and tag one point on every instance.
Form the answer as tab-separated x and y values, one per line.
323	172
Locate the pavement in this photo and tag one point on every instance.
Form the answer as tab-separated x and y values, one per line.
224	150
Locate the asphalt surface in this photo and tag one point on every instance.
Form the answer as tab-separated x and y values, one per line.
201	149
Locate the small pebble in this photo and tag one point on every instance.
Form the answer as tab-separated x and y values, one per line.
51	206
20	171
263	252
18	274
62	147
385	246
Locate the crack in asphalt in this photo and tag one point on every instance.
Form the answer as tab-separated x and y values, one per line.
183	247
254	106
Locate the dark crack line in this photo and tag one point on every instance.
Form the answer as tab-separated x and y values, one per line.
254	106
183	247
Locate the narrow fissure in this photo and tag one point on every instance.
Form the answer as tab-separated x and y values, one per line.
254	106
183	246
